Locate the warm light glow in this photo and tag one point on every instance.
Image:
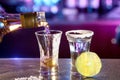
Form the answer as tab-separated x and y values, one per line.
14	27
53	77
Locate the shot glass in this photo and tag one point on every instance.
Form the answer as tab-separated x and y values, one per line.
79	41
49	50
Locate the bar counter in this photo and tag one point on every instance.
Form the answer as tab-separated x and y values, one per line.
21	68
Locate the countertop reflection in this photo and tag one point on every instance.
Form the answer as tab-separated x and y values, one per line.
24	68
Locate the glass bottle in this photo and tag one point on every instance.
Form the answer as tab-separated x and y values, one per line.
35	19
12	22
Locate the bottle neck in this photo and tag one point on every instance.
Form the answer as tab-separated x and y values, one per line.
35	19
41	20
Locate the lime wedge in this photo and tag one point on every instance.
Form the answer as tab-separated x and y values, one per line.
88	64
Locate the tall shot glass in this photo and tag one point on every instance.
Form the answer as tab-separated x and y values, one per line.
49	48
79	41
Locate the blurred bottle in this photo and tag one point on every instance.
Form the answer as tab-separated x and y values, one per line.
11	22
117	38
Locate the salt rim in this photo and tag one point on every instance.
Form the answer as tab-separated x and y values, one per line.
81	33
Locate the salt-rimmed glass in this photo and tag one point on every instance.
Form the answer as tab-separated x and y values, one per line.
79	41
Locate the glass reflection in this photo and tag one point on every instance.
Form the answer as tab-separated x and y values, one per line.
74	77
52	77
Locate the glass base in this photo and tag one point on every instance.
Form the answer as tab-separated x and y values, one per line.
48	73
74	71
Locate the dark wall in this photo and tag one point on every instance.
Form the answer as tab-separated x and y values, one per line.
23	43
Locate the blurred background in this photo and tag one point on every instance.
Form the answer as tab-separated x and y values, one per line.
57	8
101	16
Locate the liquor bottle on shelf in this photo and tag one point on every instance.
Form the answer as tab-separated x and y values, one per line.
12	22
